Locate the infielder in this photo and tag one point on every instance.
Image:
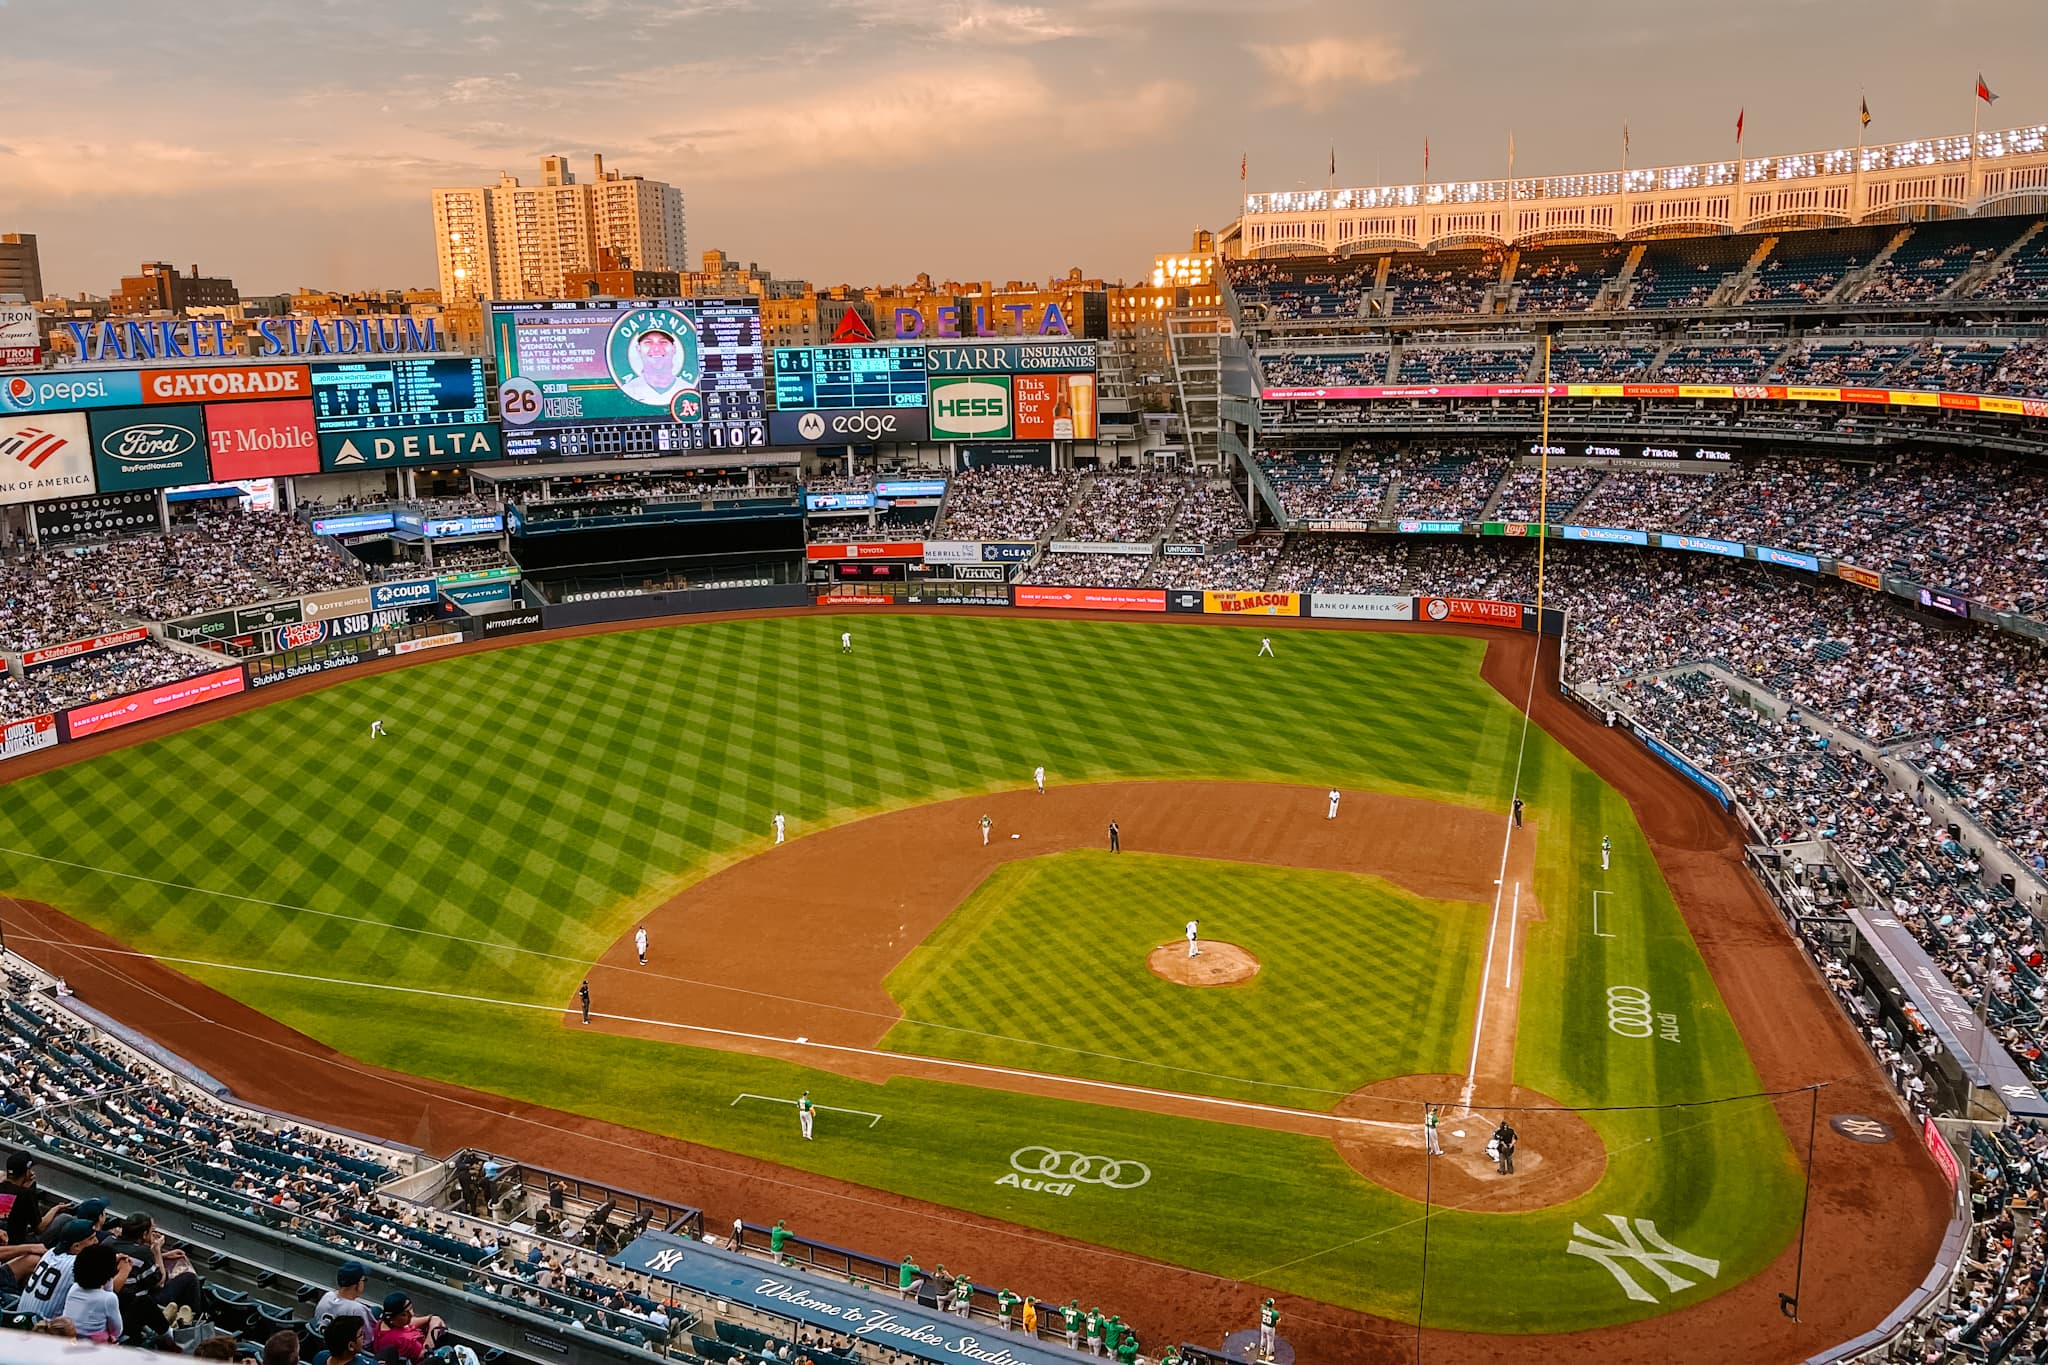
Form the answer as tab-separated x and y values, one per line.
376	729
846	642
640	943
1334	794
986	825
1606	851
1266	648
805	1115
1038	776
1193	927
1269	1325
778	827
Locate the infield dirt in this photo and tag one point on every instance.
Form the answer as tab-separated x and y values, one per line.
1877	1213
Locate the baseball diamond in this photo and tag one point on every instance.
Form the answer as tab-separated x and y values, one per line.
412	918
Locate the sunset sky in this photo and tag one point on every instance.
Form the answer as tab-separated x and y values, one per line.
293	142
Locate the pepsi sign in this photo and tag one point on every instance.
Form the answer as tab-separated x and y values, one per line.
69	393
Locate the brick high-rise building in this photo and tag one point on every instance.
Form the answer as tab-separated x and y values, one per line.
161	289
21	268
511	241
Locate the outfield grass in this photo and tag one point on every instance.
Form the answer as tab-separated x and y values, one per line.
1358	980
532	801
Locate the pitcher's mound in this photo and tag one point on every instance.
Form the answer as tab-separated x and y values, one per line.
1221	964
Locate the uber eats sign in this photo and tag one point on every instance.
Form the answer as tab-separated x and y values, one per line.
971	408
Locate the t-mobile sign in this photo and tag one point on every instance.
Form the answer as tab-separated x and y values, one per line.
262	440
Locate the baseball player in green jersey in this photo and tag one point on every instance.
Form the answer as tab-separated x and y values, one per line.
906	1276
963	1295
1269	1316
1113	1332
1172	1356
986	825
1006	1302
777	1235
1095	1331
805	1115
1070	1320
1127	1349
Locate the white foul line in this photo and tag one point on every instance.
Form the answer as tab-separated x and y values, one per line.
1486	973
1596	914
1514	918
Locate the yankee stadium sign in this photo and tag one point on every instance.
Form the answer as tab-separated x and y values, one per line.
129	339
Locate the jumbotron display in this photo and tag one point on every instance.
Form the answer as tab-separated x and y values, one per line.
399	392
630	376
836	378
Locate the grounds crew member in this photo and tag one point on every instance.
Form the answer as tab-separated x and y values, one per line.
1030	1317
1269	1316
1070	1322
1005	1303
906	1276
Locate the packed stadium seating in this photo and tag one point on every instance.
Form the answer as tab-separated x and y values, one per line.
1565	279
1003	503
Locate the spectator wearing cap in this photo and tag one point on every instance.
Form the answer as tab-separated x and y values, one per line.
48	1287
345	1300
94	1211
404	1333
25	1202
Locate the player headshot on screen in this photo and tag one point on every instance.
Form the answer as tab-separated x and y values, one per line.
653	356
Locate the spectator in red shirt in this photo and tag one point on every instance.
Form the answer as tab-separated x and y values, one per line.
403	1331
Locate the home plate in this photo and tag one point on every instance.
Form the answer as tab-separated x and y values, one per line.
1455	1132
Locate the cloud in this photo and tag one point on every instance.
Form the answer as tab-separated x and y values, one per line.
1010	24
1318	71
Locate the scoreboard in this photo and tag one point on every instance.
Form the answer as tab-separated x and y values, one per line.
827	378
399	392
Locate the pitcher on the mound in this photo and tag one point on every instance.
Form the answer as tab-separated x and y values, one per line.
1194	926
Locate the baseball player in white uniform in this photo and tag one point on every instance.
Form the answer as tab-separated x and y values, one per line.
1606	851
640	943
846	642
376	729
1266	648
805	1115
1194	928
1038	776
1334	794
778	827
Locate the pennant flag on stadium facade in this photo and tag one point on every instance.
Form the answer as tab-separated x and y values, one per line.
1740	115
1984	91
1425	158
1865	113
1333	160
1244	165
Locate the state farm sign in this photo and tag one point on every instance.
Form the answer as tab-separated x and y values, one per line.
262	440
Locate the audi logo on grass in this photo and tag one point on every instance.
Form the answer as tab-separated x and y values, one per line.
1048	1170
1629	1014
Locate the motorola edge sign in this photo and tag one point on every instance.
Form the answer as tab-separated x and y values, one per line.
848	426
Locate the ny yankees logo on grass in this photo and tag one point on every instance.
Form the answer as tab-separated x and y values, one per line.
1628	1245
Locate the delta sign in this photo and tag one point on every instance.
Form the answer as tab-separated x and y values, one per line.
909	323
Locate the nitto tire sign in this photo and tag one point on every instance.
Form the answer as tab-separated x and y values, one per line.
971	409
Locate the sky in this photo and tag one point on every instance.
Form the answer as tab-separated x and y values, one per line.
293	143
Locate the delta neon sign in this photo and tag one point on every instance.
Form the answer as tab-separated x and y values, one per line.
137	339
909	323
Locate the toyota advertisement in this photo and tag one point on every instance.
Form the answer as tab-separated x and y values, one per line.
849	426
161	447
156	701
262	440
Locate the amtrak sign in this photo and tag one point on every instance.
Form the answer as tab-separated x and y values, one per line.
112	340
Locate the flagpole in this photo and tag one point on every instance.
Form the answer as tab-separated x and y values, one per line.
1862	126
1976	103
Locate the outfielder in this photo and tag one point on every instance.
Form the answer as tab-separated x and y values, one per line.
1193	927
846	642
1606	850
1038	776
376	729
986	825
778	827
640	943
1269	1326
1266	648
805	1115
1334	794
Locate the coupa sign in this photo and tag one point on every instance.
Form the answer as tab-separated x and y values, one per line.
417	593
129	339
975	409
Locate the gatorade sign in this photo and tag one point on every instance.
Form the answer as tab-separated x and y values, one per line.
971	408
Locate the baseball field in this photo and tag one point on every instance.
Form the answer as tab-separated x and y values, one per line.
989	1026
